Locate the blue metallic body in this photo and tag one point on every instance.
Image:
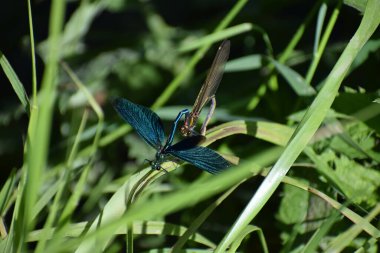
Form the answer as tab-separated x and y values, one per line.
149	126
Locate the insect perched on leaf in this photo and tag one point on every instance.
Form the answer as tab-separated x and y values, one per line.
149	126
207	92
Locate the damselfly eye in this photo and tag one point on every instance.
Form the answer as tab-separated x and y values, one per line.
155	165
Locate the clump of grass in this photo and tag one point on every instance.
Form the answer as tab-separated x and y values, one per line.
325	155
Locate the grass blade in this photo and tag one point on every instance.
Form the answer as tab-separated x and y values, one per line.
18	87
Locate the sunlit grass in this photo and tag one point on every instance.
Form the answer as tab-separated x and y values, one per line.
83	202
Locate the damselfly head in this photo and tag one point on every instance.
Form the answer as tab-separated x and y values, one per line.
155	165
160	158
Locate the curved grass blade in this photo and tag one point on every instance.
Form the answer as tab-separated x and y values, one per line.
250	229
201	157
146	123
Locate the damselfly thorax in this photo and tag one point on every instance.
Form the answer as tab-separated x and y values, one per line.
189	124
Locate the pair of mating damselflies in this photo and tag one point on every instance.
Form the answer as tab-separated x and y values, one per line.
149	126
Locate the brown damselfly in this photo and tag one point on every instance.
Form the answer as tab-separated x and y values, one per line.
207	92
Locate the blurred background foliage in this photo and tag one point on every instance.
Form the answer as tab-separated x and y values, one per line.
134	49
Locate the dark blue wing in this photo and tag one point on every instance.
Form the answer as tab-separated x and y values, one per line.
146	123
201	157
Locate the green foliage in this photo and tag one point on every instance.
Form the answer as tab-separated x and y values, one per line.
294	205
295	80
303	148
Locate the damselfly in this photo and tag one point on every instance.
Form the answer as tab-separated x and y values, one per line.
149	126
207	92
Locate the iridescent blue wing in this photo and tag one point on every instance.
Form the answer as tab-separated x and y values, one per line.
146	123
201	157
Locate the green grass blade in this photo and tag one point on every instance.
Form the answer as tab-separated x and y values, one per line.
45	198
320	233
343	240
215	37
18	87
53	213
73	201
6	192
248	230
322	44
357	4
268	131
39	130
245	63
320	21
33	53
295	80
163	228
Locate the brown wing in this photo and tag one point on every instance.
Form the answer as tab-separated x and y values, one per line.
213	78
